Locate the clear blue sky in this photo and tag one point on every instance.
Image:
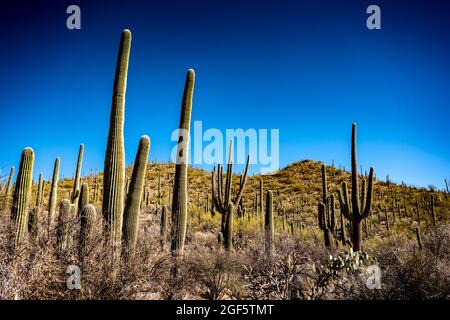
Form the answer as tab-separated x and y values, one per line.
308	68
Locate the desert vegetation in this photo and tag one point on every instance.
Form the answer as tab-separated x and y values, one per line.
172	231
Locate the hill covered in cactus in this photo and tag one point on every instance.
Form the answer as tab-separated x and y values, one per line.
171	231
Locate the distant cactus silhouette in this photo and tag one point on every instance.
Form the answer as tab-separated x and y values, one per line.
269	227
22	191
114	169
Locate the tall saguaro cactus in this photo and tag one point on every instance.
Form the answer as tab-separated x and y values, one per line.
8	189
179	198
24	181
77	181
269	227
360	206
134	198
53	194
114	170
222	198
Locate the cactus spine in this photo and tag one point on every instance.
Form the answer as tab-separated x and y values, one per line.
53	194
88	215
269	228
24	181
8	189
135	194
179	197
356	211
77	181
114	169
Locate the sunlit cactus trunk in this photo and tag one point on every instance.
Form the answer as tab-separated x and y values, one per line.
179	198
53	195
114	170
22	191
134	198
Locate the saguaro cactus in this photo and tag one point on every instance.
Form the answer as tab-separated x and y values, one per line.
39	191
53	194
419	238
228	241
269	227
325	226
164	226
83	198
77	181
65	223
134	198
114	170
360	207
33	223
24	181
179	198
8	189
222	198
88	216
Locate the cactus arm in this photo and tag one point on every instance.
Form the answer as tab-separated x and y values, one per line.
344	206
220	185
363	194
321	220
244	180
324	184
369	195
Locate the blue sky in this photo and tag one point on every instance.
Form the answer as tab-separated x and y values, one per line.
307	68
